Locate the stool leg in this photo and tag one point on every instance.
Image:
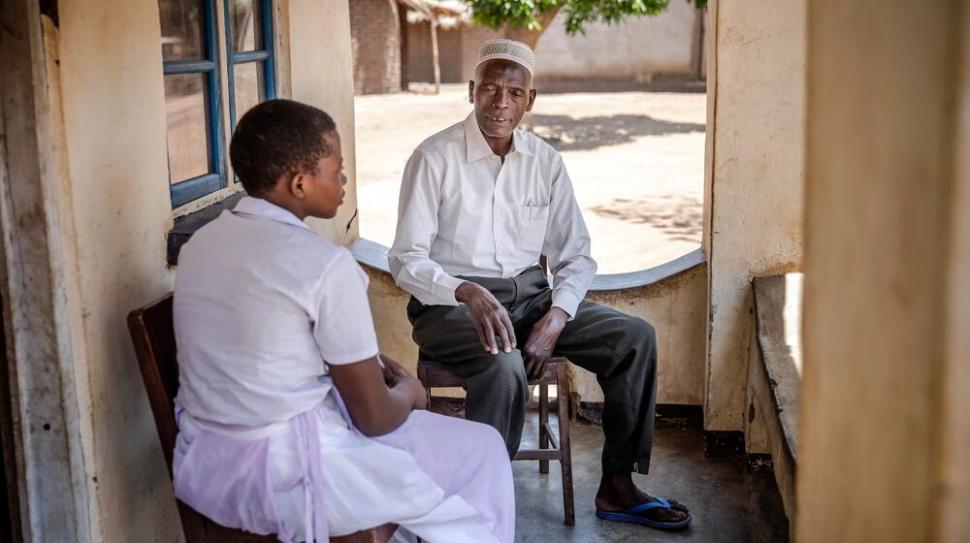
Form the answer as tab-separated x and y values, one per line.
565	447
543	422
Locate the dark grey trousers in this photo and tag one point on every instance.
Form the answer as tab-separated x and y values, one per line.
620	349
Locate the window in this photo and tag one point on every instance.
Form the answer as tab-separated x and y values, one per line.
196	122
250	61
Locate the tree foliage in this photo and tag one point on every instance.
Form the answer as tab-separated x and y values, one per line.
533	15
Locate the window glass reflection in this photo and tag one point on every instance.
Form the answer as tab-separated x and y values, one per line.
188	141
181	22
246	23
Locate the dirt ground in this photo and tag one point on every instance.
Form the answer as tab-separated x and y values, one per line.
636	160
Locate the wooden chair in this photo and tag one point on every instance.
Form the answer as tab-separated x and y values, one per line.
154	337
437	375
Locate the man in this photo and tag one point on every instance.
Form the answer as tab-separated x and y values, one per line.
480	202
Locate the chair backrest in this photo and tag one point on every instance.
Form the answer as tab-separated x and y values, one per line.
153	334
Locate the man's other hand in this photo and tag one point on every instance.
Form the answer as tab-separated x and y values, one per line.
490	318
542	340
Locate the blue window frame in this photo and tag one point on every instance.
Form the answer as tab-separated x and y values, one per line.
193	83
249	35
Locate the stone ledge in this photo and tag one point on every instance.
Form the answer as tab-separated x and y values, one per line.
774	379
777	301
187	225
374	255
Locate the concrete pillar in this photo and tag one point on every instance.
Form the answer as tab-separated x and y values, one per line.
754	176
321	73
885	446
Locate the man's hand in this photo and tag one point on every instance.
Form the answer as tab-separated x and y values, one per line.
542	340
489	316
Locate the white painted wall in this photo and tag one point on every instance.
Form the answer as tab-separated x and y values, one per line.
115	198
754	176
637	48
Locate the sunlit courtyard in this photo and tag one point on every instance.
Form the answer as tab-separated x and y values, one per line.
636	160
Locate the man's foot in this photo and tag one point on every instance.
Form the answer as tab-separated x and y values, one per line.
617	494
641	514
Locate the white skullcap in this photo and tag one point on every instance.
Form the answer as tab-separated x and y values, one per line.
511	50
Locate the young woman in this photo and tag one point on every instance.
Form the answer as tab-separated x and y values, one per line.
290	422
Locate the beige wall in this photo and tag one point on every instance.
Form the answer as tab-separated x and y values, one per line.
638	48
675	306
114	125
884	447
321	73
115	204
755	172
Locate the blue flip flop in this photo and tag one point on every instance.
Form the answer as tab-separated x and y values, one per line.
635	515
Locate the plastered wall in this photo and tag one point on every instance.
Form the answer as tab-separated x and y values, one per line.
637	48
754	176
115	205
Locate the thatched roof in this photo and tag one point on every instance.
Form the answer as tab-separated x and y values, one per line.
447	13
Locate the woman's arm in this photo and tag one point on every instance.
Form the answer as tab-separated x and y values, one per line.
378	399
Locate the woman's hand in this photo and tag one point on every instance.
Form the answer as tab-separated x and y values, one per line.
379	397
415	391
395	375
393	370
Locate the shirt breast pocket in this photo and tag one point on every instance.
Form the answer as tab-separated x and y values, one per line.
533	219
537	212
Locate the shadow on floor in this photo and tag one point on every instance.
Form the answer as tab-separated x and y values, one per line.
679	216
729	504
567	133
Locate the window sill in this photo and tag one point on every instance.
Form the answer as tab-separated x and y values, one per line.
187	225
374	256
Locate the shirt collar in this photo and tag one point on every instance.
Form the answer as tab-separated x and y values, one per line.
258	207
476	148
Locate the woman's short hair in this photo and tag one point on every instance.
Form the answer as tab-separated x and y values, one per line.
278	138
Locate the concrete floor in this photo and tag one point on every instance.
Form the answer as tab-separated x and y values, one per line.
728	503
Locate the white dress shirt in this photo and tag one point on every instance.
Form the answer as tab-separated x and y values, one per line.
261	302
465	211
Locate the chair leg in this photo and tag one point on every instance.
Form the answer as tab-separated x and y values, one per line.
565	447
543	424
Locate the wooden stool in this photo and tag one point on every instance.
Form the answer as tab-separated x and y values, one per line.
438	375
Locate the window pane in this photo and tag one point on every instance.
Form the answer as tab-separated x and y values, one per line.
182	36
246	20
188	126
250	89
